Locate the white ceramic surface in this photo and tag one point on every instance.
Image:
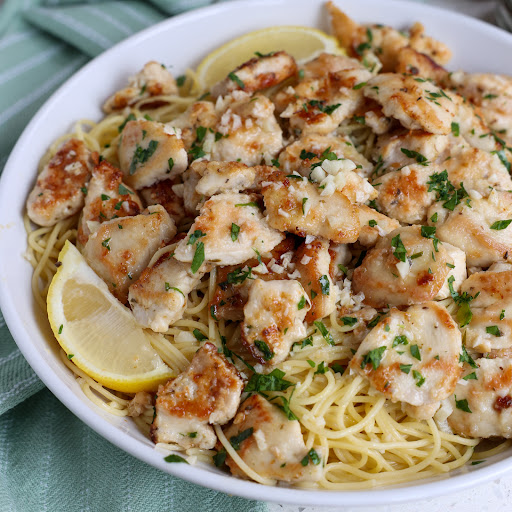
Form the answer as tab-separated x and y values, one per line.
182	42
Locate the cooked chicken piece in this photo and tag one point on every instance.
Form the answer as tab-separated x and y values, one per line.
319	104
418	105
364	316
59	190
159	297
148	153
404	147
412	62
227	176
198	116
163	193
364	41
479	170
386	279
413	355
120	249
297	156
491	325
375	119
274	319
373	225
152	80
257	74
404	194
482	405
274	447
312	260
107	198
238	128
297	206
229	230
206	393
249	128
477	226
234	282
493	93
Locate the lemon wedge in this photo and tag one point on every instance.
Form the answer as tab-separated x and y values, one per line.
303	43
98	333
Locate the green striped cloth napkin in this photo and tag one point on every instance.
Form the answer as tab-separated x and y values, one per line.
50	460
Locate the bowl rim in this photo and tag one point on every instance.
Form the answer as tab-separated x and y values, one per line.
196	474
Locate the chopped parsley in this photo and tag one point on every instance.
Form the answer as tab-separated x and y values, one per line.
307	155
400	251
326	109
349	320
372	223
268	354
464	314
359	86
237	80
320	369
235	230
272	381
324	284
420	380
430	232
285	407
198	259
406	368
105	243
304	200
503	158
123	190
237	440
470	376
464	357
373	357
195	236
421	159
142	155
60	328
199	335
502	314
169	287
462	405
130	117
252	203
494	330
311	456
324	332
180	80
174	458
445	190
501	224
220	458
104	197
302	303
415	352
400	340
455	129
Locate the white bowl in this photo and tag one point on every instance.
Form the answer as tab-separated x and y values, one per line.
182	41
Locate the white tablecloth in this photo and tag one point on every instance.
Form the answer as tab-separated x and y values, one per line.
490	497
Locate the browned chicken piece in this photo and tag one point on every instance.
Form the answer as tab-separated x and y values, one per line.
107	198
312	260
152	80
233	281
298	156
148	153
120	249
159	297
229	229
493	94
478	226
383	42
386	279
273	446
490	328
373	225
206	393
199	114
274	319
239	127
297	206
227	176
61	186
419	355
321	101
418	105
257	74
488	401
163	193
412	62
405	194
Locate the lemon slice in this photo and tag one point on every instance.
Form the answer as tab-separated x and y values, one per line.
303	43
99	332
